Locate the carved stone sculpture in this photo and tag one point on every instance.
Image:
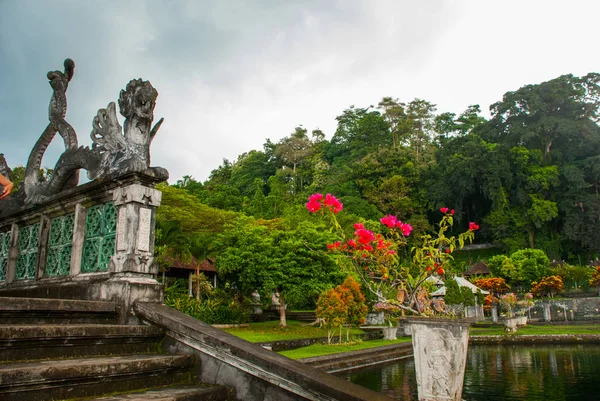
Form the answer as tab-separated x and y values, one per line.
112	153
4	169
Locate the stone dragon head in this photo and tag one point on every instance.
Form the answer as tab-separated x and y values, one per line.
138	100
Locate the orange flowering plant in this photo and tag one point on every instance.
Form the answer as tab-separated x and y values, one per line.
374	255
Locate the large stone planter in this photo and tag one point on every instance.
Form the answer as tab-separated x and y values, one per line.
389	333
440	350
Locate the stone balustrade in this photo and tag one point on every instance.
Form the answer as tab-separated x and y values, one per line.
94	240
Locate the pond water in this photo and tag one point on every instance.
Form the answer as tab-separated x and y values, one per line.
504	372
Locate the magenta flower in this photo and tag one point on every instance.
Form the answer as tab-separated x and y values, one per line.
364	236
473	226
313	206
406	229
389	221
315	197
444	210
333	203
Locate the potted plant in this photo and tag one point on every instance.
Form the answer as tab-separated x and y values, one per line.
390	328
372	252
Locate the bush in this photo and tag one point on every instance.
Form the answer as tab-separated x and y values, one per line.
548	286
222	309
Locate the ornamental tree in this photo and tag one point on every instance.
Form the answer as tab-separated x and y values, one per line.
354	299
333	311
374	256
548	286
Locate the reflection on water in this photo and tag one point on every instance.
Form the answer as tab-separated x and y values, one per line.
514	372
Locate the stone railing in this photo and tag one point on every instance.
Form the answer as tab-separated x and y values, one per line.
100	232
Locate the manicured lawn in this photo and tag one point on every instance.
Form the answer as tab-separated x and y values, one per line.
325	349
537	330
270	331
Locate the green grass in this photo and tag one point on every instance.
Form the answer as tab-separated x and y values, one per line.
326	349
537	330
270	331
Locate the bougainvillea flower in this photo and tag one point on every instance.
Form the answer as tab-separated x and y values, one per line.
429	268
313	206
364	236
315	197
452	211
389	221
335	245
447	250
358	226
352	243
473	226
406	229
333	203
444	210
391	252
368	248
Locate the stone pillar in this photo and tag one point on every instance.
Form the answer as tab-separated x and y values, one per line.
547	313
440	350
133	267
494	311
136	216
13	254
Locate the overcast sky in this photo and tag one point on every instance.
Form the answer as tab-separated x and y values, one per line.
232	73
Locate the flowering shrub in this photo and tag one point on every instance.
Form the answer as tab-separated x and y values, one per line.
495	285
595	280
508	303
374	256
548	286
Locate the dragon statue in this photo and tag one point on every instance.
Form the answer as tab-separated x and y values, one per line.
114	151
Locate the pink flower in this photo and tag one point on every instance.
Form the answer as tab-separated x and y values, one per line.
364	236
352	243
333	203
444	210
389	221
358	226
315	197
391	252
313	206
473	226
406	229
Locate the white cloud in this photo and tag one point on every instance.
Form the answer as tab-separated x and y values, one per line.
231	74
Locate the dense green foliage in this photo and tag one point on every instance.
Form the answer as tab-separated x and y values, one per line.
529	175
220	308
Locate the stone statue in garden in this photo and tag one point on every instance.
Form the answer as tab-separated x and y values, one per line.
114	152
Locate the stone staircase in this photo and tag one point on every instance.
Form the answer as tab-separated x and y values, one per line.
71	349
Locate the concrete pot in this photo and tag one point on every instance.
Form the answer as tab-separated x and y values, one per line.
389	333
440	350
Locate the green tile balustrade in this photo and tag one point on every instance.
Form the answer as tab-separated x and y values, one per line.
99	243
60	244
4	249
29	239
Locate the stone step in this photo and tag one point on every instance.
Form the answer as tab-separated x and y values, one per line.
174	393
87	377
30	342
41	310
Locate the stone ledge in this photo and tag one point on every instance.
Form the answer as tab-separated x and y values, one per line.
243	363
43	304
